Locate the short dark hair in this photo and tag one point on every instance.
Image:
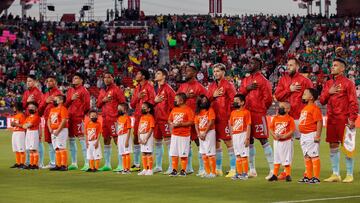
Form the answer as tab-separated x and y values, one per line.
297	61
314	93
125	105
18	106
93	110
220	66
150	106
199	101
32	76
182	95
341	60
241	97
80	75
163	71
62	96
145	73
109	73
52	75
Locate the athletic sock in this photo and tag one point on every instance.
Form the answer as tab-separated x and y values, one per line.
201	162
145	162
36	158
51	153
206	163
335	159
239	168
316	167
97	164
189	164
288	170
63	157
27	153
252	152
349	166
17	158
150	162
232	158
92	164
83	149
276	169
73	150
124	161
22	157
120	161
107	155
159	151
212	162
309	167
167	144
58	158
175	162
184	162
137	155
245	164
40	154
269	155
219	157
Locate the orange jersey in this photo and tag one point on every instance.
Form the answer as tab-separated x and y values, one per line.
309	117
239	120
282	125
146	123
203	119
34	120
18	118
93	130
180	115
57	115
123	125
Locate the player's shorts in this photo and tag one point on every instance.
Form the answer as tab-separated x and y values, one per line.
193	136
208	146
32	140
283	152
179	146
308	145
259	127
121	144
76	127
59	141
92	153
149	146
161	130
18	141
335	130
238	141
222	130
109	127
136	126
297	133
47	135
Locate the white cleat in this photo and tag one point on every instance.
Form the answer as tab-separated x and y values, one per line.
149	173
142	173
269	176
157	170
210	176
201	173
168	171
49	166
252	173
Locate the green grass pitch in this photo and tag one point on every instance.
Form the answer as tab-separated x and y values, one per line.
76	186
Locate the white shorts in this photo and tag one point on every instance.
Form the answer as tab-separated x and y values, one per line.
149	146
283	152
208	146
297	133
179	146
92	153
18	141
239	145
308	146
32	140
121	145
59	141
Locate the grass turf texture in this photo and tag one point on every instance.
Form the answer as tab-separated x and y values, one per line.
77	186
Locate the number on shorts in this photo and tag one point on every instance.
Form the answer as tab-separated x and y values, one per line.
113	129
259	128
79	126
227	130
167	128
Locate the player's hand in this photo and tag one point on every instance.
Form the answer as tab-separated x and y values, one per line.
75	96
106	99
96	144
145	141
252	86
159	98
190	94
334	89
30	98
49	99
13	124
247	142
56	132
142	94
295	87
317	139
351	124
218	92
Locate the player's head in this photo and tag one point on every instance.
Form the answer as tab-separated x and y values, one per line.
59	99
93	115
180	99
293	65
17	107
284	108
108	78
32	107
147	108
338	66
190	72
77	79
202	102
142	75
219	71
30	81
310	95
255	64
160	75
239	101
123	109
51	81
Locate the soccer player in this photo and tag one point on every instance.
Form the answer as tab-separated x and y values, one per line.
192	89
124	136
31	125
339	94
108	100
221	93
58	128
205	128
44	110
78	104
310	127
93	130
146	138
240	129
144	92
18	136
282	128
164	102
181	120
257	90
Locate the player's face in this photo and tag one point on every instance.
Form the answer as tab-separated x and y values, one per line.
307	95
285	106
76	80
292	66
178	100
93	115
252	66
50	83
337	68
139	76
218	73
108	79
30	82
189	73
159	76
59	100
238	101
32	107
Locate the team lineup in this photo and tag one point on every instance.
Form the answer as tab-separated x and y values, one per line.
165	118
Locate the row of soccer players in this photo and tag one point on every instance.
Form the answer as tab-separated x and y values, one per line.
338	93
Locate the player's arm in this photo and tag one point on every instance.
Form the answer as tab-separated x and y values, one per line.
248	132
197	129
211	122
134	99
149	134
99	102
325	95
289	134
282	92
353	105
86	102
319	126
68	99
128	138
62	125
48	125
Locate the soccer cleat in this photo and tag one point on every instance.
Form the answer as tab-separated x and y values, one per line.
230	174
252	173
157	170
273	178
15	166
269	176
105	168
304	180
118	169
244	176
73	167
168	171
211	175
348	179
173	173
333	178
49	166
288	179
282	176
201	173
182	173
85	167
135	168
63	168
149	172
142	173
314	181
89	170
56	168
22	166
189	171
125	172
35	167
219	172
236	177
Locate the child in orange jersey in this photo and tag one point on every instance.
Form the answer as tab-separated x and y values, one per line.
146	137
180	120
205	128
282	128
310	127
93	130
124	142
240	129
18	136
32	124
58	127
